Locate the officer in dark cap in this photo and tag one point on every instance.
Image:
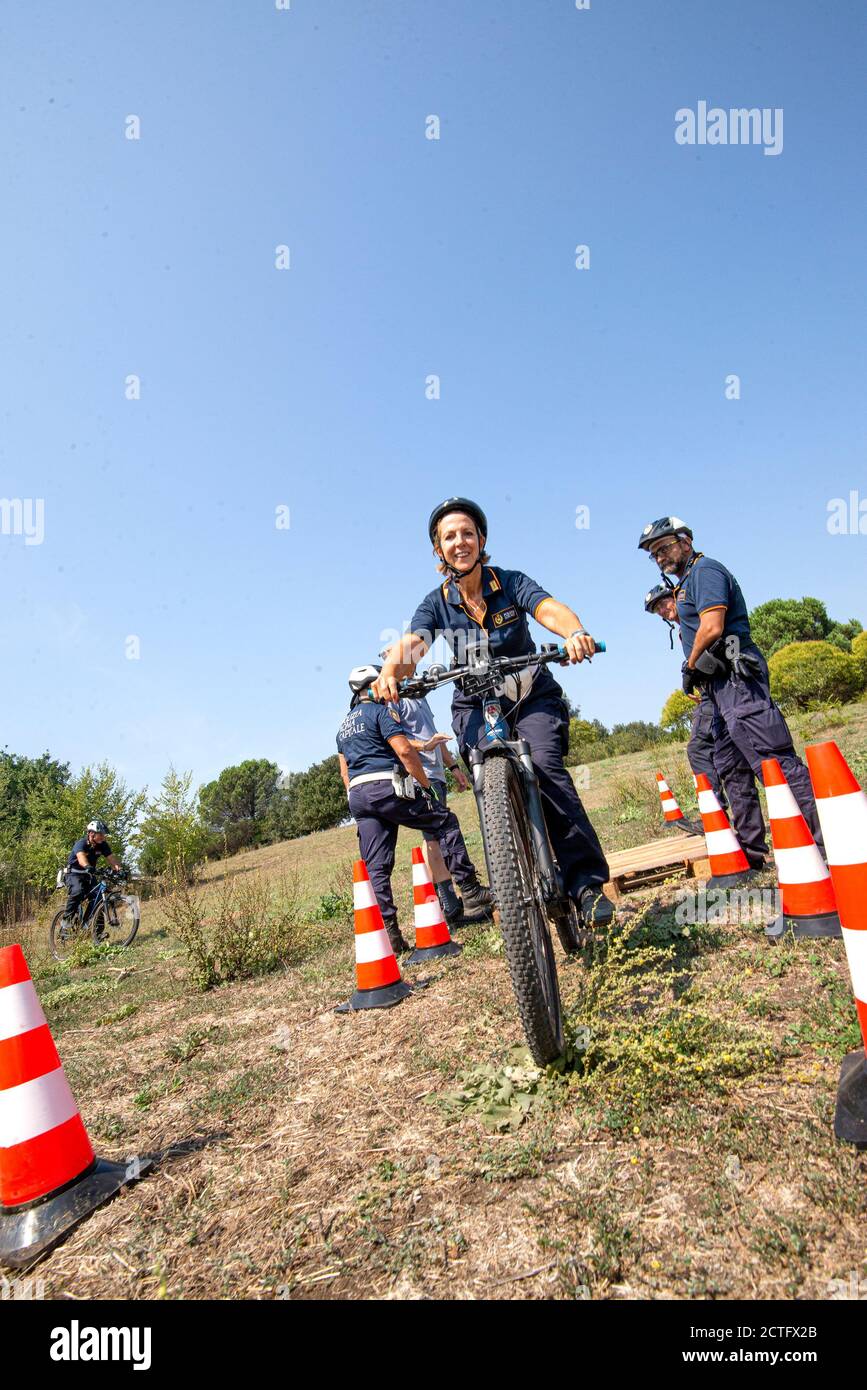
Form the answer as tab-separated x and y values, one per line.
722	658
380	770
710	747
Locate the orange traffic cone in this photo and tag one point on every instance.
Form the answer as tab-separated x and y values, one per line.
842	808
432	937
670	808
809	906
377	973
728	863
50	1178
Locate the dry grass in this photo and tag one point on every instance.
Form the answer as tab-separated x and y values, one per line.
299	1154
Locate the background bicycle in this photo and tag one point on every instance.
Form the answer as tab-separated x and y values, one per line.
106	915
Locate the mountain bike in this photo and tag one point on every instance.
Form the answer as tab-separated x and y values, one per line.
525	878
106	915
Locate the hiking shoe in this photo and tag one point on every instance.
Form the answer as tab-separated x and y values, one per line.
477	901
395	936
596	910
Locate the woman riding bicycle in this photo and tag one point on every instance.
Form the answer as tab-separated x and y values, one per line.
480	606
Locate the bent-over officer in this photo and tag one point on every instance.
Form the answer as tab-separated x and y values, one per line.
379	767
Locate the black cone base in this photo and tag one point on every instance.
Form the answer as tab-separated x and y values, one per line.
423	953
730	880
27	1232
688	827
850	1120
384	998
822	924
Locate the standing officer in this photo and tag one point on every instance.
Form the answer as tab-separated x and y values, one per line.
721	656
378	765
710	746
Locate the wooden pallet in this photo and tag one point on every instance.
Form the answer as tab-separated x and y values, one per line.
660	859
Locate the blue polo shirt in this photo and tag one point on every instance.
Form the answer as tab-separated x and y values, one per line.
363	738
509	596
708	584
91	852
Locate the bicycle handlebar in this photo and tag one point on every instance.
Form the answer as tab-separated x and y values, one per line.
436	676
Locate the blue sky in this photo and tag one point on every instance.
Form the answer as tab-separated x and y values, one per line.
306	387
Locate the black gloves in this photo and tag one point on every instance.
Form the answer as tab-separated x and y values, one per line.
689	679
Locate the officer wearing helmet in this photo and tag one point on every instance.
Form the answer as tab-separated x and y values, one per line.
380	770
82	862
722	659
483	607
705	745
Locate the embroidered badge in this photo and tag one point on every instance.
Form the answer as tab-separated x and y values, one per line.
505	615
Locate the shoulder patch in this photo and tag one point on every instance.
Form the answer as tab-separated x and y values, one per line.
394	714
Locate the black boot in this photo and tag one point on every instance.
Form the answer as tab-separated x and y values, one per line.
477	900
596	910
395	936
453	908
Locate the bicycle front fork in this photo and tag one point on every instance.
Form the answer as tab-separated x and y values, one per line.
519	751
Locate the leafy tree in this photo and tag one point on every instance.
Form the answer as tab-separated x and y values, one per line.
239	801
781	621
171	837
677	713
58	816
320	798
859	651
20	779
805	674
588	741
632	737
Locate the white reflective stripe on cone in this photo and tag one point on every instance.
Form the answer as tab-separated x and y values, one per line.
372	945
856	954
844	827
707	802
420	875
663	786
781	803
800	864
34	1107
670	805
721	841
363	894
20	1010
428	914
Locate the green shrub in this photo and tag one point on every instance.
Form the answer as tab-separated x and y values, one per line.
677	713
806	674
245	926
859	651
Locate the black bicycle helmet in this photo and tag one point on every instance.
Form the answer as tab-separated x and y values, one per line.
652	597
665	526
457	504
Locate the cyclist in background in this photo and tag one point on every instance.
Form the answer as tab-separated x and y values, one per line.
484	608
82	862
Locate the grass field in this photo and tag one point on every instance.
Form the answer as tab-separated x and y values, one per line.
685	1150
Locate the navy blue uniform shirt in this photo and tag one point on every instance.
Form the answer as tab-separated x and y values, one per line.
708	584
363	738
509	596
92	852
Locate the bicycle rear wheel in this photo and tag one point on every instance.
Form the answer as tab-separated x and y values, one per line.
523	920
62	936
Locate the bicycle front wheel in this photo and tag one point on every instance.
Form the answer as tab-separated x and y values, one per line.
517	889
120	919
